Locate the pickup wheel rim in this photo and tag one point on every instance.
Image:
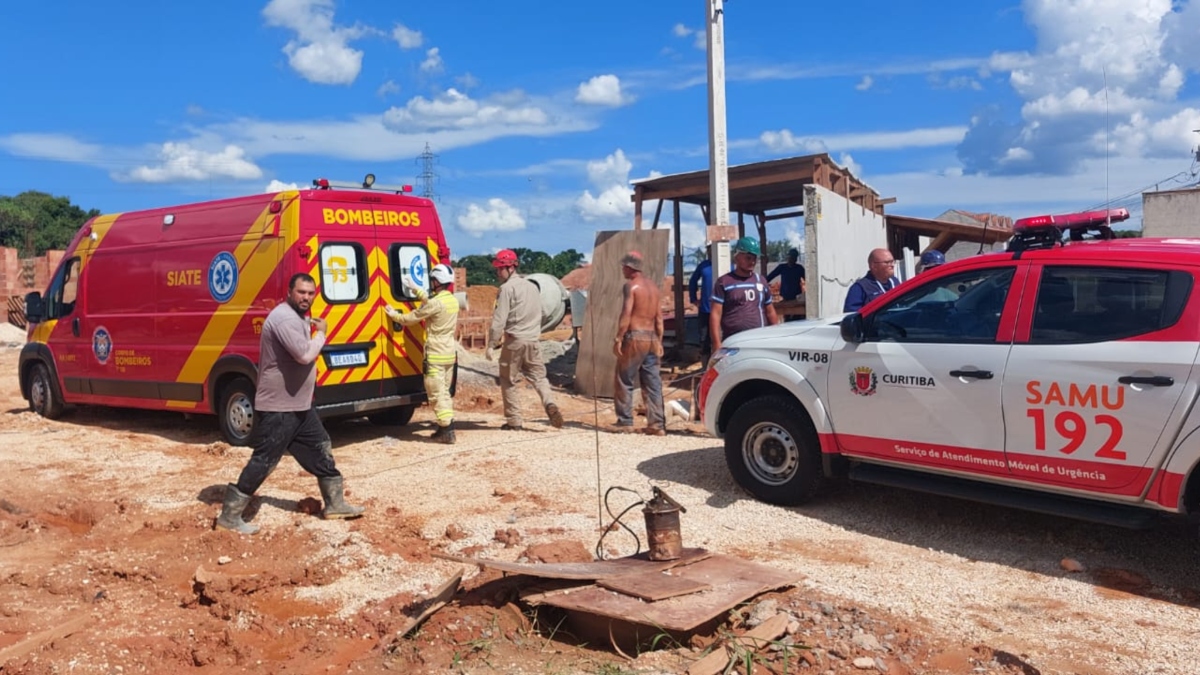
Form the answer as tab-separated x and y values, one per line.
770	453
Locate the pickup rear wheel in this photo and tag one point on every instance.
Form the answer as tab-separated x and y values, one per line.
772	451
44	397
235	412
393	417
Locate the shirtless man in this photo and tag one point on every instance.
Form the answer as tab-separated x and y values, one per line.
638	346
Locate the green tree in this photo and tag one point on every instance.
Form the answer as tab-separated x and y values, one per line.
39	220
565	262
479	270
1127	234
533	262
777	250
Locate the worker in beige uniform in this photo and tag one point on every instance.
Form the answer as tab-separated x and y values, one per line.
516	329
440	314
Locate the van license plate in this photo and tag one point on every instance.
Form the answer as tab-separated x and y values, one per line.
343	359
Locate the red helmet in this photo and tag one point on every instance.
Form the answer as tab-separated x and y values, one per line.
505	258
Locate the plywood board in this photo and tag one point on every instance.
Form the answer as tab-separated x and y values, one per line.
588	571
653	586
596	362
733	581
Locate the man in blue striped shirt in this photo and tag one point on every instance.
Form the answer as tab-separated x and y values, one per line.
741	300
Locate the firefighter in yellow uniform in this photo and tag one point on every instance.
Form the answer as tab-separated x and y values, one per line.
439	311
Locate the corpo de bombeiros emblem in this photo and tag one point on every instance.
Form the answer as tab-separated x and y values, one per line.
863	381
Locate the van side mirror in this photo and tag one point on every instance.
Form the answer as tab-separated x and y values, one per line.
852	328
35	309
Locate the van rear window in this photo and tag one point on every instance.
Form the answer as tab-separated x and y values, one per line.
343	272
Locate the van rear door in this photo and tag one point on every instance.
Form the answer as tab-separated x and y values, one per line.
353	237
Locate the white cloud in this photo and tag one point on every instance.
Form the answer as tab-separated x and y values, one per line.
610	177
320	52
280	186
1100	64
602	90
467	81
387	89
699	36
612	170
865	83
406	37
847	162
453	109
499	216
785	141
433	61
56	147
182	162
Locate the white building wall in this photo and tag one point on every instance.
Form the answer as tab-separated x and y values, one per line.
839	235
1171	213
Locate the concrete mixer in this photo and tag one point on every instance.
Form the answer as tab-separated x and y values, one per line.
554	299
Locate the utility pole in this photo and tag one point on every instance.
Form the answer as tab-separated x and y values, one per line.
428	177
718	158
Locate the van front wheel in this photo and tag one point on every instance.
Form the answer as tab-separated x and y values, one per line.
235	414
44	397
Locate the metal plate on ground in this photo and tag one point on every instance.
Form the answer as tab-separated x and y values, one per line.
653	586
600	569
733	581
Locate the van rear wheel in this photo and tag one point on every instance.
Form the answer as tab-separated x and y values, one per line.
235	413
393	417
44	397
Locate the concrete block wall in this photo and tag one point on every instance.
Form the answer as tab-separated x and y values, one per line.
20	276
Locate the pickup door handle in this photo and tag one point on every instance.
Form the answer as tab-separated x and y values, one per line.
1153	380
75	326
977	374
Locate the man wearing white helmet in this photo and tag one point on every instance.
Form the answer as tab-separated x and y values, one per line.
439	311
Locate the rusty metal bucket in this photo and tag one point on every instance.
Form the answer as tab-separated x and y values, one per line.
662	527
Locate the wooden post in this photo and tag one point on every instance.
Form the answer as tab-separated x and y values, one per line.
680	323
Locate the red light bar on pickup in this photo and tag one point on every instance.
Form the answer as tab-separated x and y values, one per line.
1067	221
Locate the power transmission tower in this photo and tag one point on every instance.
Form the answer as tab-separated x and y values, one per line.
428	177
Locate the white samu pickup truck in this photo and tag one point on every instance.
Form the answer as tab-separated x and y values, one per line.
1057	377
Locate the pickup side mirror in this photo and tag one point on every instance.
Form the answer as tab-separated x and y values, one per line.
852	329
35	309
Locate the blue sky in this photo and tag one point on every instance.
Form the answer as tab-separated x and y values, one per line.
540	112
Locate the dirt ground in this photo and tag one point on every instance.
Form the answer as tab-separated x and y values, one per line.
109	564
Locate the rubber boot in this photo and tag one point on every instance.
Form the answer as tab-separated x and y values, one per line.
231	512
445	434
336	507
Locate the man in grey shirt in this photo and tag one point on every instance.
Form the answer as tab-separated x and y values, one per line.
285	420
516	329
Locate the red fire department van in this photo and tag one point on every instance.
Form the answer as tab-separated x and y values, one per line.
163	309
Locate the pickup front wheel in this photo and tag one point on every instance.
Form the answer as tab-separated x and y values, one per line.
772	450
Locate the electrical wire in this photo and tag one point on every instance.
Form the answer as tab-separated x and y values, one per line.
599	552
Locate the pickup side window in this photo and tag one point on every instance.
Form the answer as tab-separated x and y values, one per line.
962	308
64	289
1098	304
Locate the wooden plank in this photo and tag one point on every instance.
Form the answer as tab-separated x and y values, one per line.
755	639
733	581
36	641
438	600
595	363
653	586
601	569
